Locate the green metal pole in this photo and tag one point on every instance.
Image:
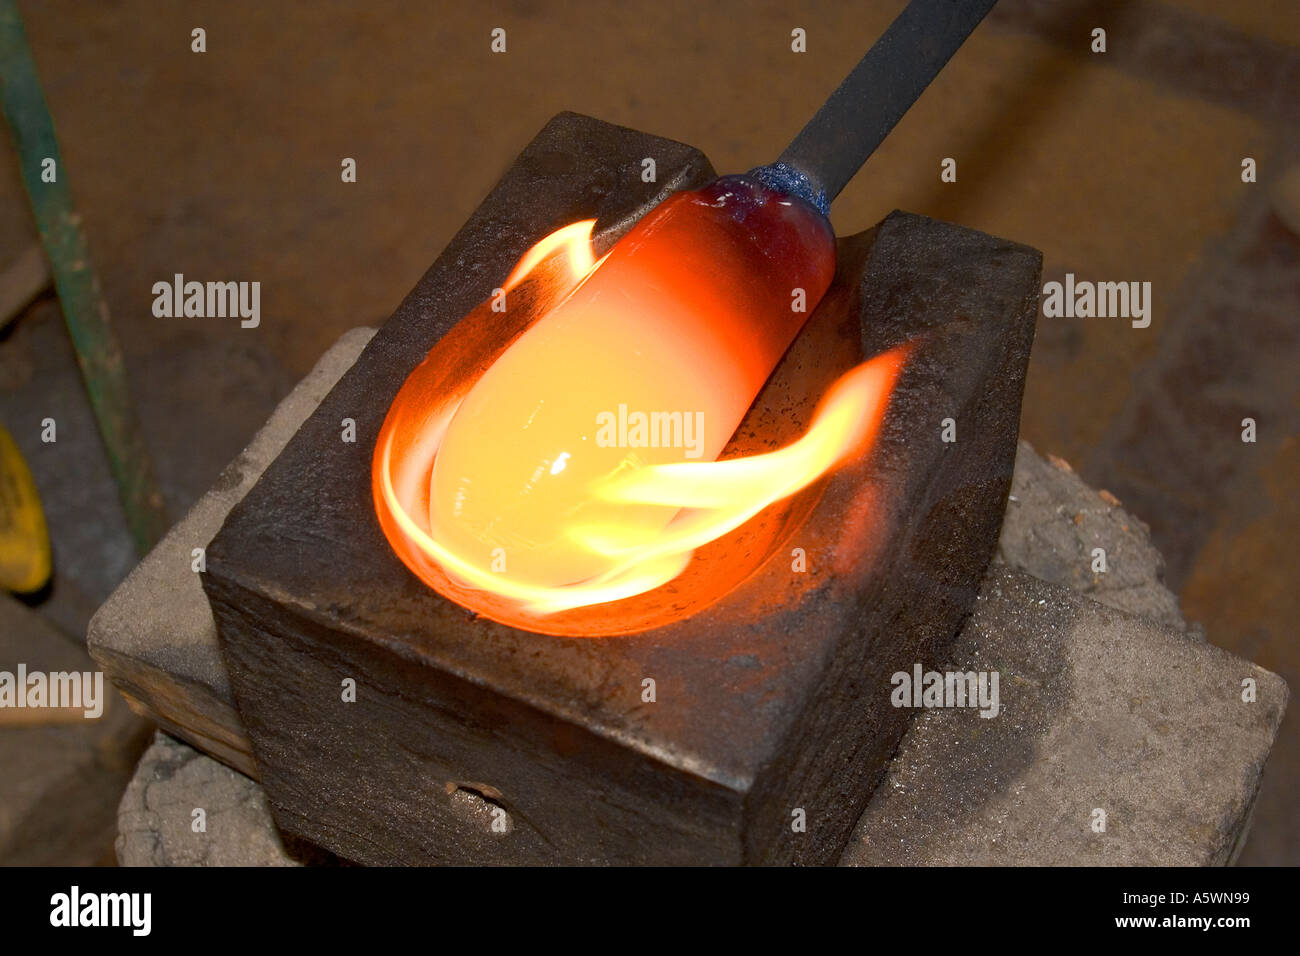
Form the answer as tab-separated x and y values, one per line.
84	308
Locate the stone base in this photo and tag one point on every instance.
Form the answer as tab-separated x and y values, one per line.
1109	701
1101	710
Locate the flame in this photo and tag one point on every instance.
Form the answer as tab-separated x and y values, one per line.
570	244
708	499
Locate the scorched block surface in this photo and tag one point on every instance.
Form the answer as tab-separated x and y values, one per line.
771	705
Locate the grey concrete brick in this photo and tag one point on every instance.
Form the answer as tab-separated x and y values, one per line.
1100	710
155	636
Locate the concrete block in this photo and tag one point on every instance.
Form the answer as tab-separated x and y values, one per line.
155	636
156	818
1054	526
1101	710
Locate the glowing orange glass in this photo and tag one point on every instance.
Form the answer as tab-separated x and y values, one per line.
580	467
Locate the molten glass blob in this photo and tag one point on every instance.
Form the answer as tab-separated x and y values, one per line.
651	361
576	466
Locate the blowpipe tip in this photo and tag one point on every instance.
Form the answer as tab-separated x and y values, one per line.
787	179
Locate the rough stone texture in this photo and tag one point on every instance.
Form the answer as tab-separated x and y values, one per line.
156	820
59	779
155	636
1100	709
1054	521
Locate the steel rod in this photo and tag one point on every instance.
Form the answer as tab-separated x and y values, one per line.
880	89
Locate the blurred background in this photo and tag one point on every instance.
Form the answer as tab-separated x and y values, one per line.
225	165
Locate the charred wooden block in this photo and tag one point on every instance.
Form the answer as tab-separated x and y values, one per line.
770	701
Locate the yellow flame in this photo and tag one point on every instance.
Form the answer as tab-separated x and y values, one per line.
721	496
572	243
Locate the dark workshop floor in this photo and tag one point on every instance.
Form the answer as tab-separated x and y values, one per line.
1122	166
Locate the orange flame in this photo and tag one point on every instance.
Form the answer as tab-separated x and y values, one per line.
708	499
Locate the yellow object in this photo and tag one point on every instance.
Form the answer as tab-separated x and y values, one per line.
24	538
